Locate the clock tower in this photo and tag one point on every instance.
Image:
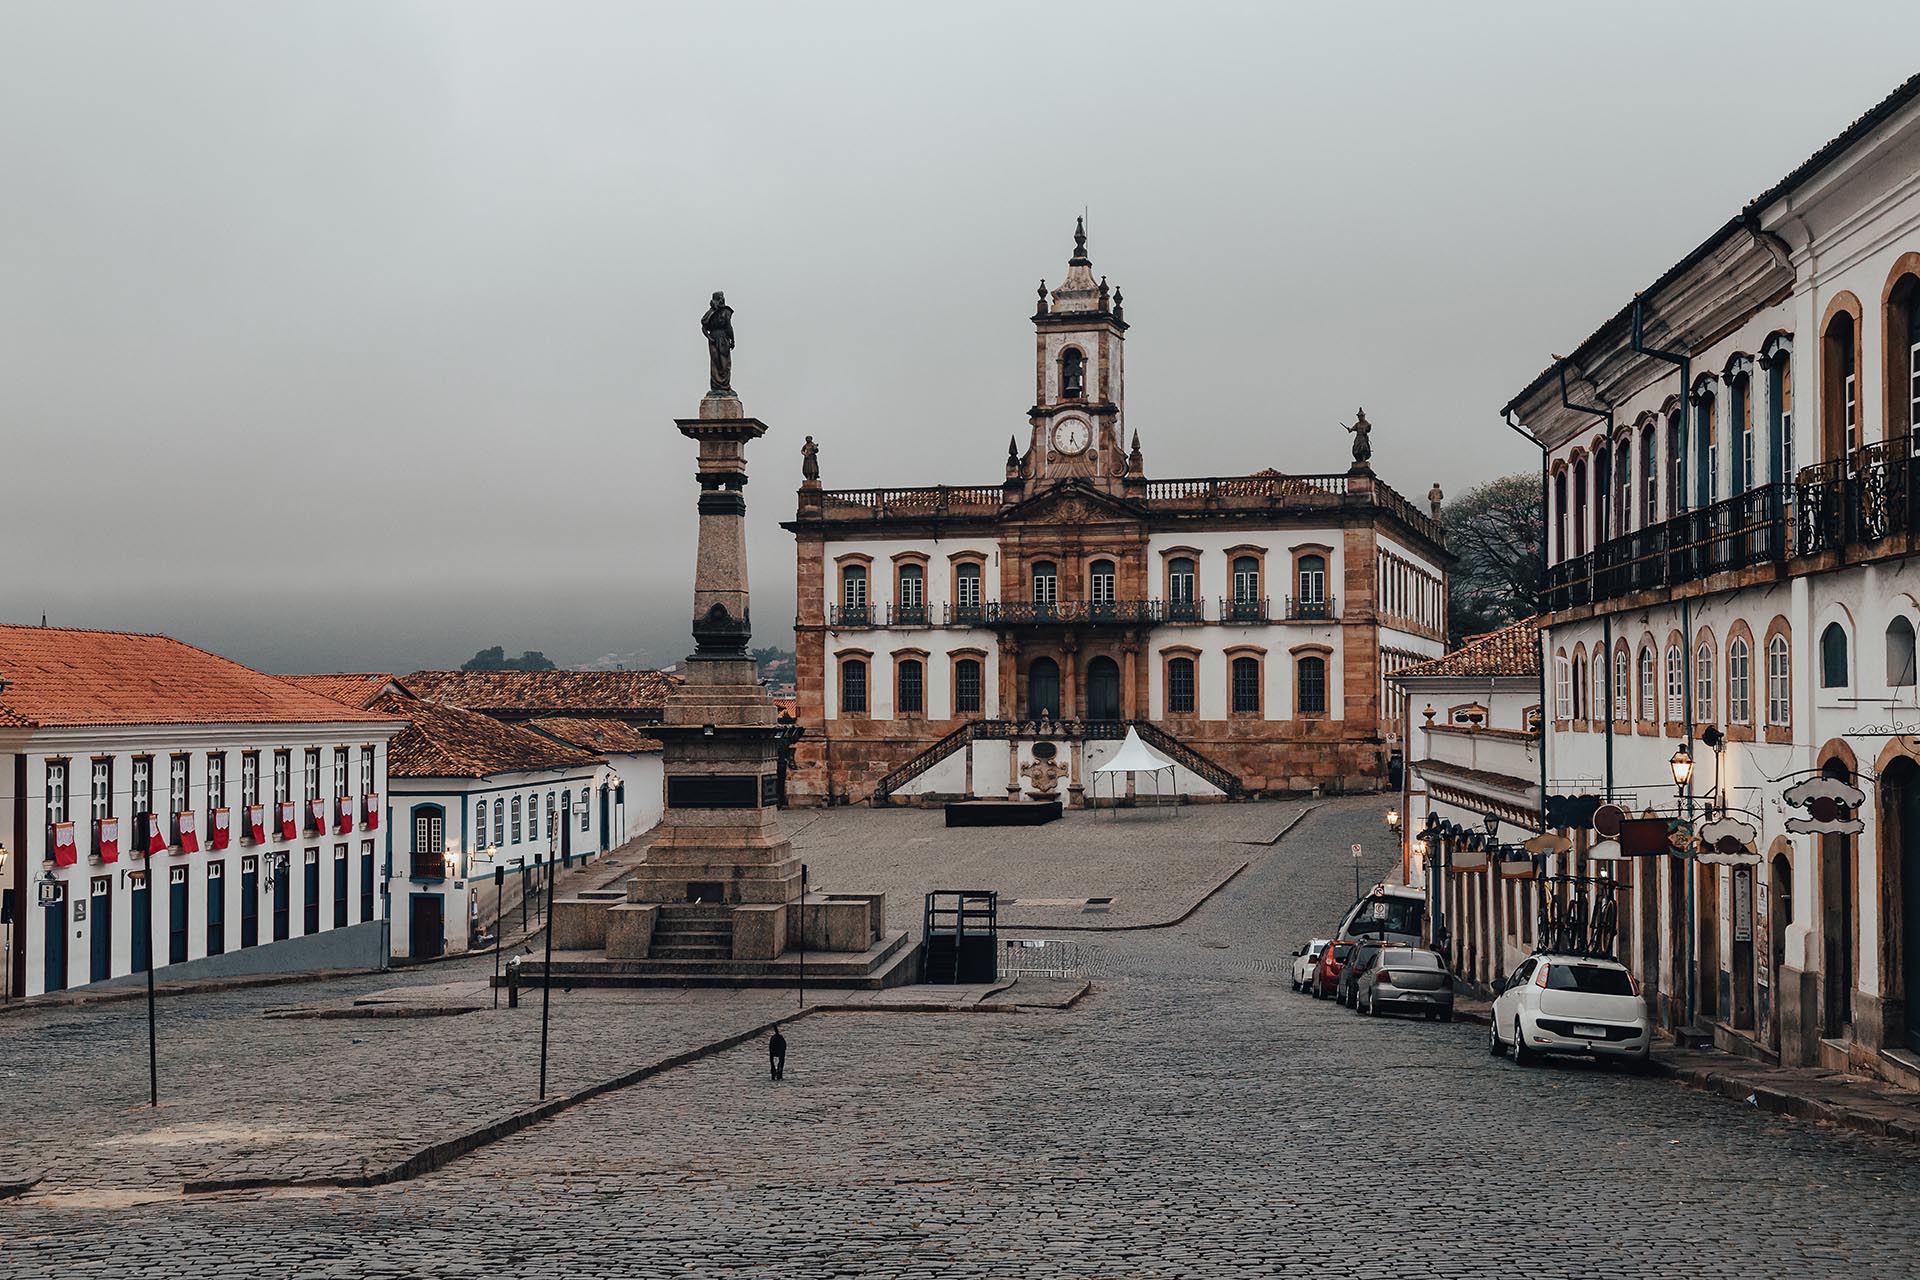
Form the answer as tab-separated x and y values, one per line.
1079	388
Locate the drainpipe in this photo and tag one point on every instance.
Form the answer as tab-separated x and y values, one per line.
1685	364
1540	817
1606	623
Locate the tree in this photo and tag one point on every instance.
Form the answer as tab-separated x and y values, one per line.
496	659
1497	530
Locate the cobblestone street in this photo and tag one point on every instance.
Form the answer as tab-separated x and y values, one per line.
1190	1117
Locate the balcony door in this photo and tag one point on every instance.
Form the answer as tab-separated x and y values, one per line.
1043	689
1103	689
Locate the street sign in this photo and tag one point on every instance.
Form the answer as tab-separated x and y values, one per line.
1356	851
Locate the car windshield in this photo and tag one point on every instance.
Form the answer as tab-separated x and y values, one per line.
1411	960
1591	978
1341	950
1389	915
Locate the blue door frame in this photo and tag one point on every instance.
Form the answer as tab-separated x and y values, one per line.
101	923
249	909
426	926
55	973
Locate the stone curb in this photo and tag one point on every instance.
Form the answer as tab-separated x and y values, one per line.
440	1153
1769	1097
201	986
1182	918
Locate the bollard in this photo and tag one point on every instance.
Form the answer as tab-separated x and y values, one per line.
513	985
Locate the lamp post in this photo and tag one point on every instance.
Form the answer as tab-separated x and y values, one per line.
546	970
6	910
1681	762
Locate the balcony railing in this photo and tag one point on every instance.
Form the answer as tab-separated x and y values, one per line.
966	615
1179	611
907	615
1311	609
1858	500
1072	612
1243	611
852	615
427	866
1741	531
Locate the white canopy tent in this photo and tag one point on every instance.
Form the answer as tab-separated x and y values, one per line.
1134	757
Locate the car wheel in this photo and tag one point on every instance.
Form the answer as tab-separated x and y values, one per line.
1522	1056
1373	1006
1494	1047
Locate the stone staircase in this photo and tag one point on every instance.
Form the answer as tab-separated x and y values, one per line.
1071	730
692	931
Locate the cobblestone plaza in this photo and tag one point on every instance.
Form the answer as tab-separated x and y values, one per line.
1190	1116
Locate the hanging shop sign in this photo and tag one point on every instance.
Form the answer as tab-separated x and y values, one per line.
1647	837
1832	807
1729	841
1548	843
1469	860
1605	851
1742	905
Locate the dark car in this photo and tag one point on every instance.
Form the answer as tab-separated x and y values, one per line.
1407	980
1333	959
1364	953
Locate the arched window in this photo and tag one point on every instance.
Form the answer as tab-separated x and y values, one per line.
515	828
1580	507
1579	686
1779	701
1623	487
1180	686
1833	657
1562	687
1649	689
1246	685
1311	585
1706	451
1601	709
966	589
1899	653
910	594
1180	589
853	686
1676	683
1740	420
499	822
1602	495
1676	490
1046	583
1649	478
1100	582
1840	415
1739	682
1703	701
1310	686
533	818
910	687
1559	516
1622	685
1246	579
1073	374
1903	355
853	593
1777	359
966	686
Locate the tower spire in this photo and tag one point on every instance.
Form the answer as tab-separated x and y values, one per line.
1080	258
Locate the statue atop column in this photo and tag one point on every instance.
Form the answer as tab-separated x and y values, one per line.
809	460
1362	431
717	324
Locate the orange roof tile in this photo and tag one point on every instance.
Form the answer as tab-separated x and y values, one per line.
1511	651
445	741
533	692
59	676
596	734
355	688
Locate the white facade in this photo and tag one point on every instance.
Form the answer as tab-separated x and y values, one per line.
81	922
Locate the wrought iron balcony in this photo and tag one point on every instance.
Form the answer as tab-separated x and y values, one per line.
427	865
1312	609
1179	611
966	615
852	615
1243	611
1858	500
1745	530
907	615
1067	612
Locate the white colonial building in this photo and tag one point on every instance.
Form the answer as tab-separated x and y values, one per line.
129	761
997	640
1729	470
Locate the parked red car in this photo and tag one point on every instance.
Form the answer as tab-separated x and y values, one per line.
1326	974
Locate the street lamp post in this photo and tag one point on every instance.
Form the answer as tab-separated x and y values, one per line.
1681	762
6	909
546	971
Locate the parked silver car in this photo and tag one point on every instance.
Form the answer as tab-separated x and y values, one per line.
1407	980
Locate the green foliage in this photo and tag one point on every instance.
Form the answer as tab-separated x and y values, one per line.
496	659
1497	530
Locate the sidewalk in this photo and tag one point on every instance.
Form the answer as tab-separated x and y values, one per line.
1846	1101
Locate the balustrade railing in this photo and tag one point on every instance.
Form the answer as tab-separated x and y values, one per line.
1741	531
1311	609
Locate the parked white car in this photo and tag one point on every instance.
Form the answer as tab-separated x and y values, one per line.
1565	1004
1303	962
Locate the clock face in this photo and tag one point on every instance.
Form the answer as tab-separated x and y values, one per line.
1070	435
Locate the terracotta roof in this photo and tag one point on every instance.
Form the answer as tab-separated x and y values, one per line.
56	676
539	691
1510	651
444	741
355	688
615	737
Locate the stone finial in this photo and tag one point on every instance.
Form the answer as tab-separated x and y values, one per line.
1042	308
1013	457
1434	499
1429	713
1103	293
1134	461
1080	258
1119	314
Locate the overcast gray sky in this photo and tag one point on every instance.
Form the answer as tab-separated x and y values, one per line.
350	335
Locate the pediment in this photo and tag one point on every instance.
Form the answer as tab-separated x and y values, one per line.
1071	502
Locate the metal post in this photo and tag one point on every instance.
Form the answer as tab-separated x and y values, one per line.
546	976
499	923
803	935
153	1036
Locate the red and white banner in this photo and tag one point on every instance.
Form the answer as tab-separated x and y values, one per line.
257	823
106	839
60	839
343	807
156	835
317	816
222	828
373	812
289	821
188	825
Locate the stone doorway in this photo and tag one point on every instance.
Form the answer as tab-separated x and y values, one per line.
1900	830
1103	689
1043	689
1779	919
